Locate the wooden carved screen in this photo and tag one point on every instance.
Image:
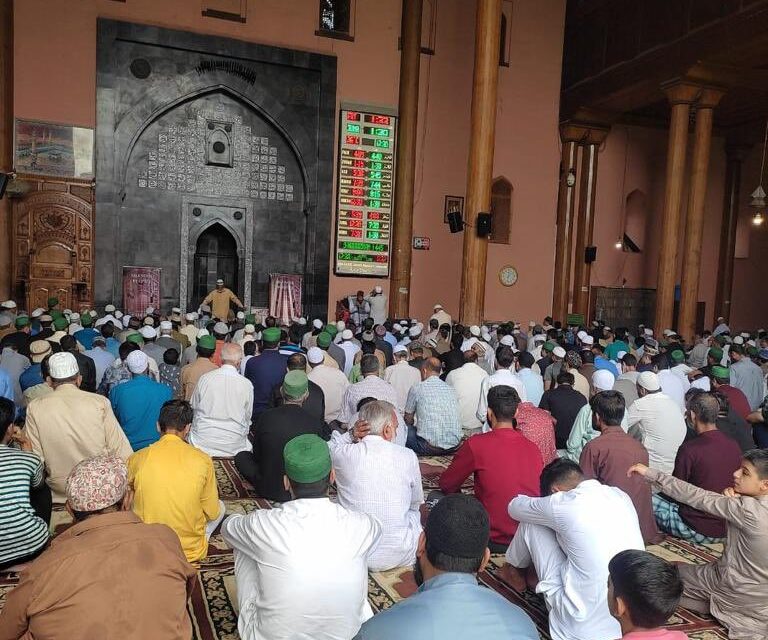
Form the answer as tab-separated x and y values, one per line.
53	240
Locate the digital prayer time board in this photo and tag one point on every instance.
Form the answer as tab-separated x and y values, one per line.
365	190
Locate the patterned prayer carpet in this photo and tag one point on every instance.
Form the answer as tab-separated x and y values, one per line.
213	605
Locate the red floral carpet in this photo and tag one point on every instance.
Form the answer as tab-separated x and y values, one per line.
213	606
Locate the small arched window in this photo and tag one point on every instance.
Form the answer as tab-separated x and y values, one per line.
501	210
336	19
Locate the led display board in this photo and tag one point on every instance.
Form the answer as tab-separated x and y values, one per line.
364	193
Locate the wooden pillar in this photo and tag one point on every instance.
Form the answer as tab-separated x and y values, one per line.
680	96
480	165
6	140
694	221
405	165
734	156
565	209
586	219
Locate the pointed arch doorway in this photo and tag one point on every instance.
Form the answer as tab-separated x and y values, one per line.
215	257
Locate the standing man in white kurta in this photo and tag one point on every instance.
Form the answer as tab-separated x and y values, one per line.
569	536
378	305
301	570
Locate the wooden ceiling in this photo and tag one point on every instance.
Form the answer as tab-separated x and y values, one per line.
618	53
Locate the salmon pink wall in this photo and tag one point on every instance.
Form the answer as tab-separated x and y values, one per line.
55	62
634	158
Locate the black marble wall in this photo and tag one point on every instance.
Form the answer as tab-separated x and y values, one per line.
194	130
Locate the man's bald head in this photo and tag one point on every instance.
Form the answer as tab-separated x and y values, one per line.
231	353
431	367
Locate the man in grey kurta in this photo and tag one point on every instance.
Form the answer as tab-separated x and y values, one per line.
734	589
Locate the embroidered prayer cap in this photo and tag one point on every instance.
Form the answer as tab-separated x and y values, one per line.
60	324
323	340
307	458
315	355
587	340
97	483
558	352
677	356
573	360
331	330
148	333
86	320
549	346
110	308
249	328
649	380
603	380
347	334
458	526
137	361
207	342
36	313
135	338
271	335
220	329
22	321
295	384
721	372
53	301
62	365
38	350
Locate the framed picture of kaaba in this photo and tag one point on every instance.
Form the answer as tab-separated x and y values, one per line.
141	289
49	149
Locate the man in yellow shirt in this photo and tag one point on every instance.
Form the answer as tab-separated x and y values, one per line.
220	299
175	484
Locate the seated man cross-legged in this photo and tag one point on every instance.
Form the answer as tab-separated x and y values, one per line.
706	461
569	535
175	484
301	570
449	602
378	477
504	462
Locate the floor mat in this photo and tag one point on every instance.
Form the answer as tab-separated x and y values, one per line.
213	605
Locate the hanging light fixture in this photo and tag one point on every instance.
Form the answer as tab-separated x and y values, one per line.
757	200
619	243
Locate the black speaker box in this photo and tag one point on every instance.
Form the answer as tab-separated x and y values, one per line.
4	180
590	254
483	224
455	223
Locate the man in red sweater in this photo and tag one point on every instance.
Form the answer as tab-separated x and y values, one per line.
505	463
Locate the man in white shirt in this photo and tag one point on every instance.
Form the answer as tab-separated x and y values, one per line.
505	358
467	382
377	302
655	419
301	570
377	477
569	536
401	375
441	315
332	381
371	386
223	404
350	349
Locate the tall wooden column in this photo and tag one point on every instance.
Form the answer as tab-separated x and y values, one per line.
405	167
6	140
480	165
680	97
734	157
586	219
565	209
694	221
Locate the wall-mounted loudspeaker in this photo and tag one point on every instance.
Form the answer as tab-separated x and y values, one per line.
590	254
455	223
4	180
483	224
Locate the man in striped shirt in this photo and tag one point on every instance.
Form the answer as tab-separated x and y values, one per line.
23	526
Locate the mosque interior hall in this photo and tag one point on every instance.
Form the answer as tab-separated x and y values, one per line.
511	158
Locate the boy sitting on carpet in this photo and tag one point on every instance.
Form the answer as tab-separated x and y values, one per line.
643	592
734	589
